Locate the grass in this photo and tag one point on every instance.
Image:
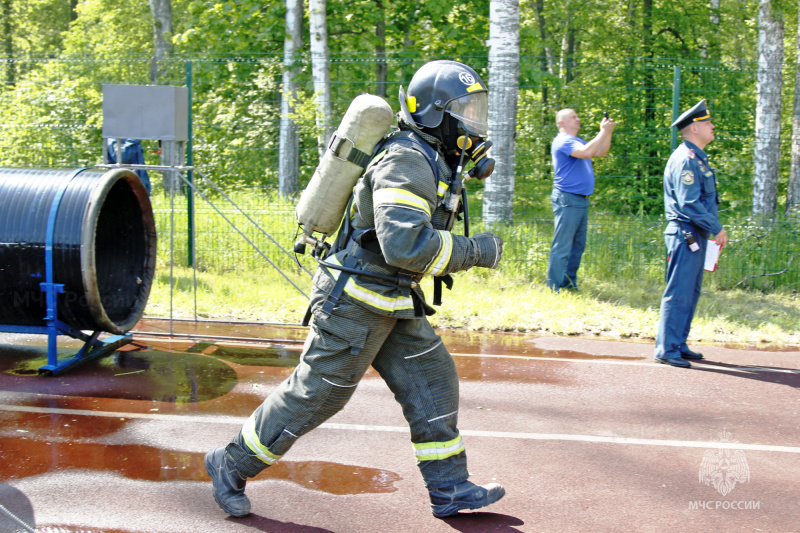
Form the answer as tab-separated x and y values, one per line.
500	301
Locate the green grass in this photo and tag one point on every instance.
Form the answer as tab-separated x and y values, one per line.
499	301
621	277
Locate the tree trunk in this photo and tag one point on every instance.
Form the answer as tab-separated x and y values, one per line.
8	43
498	197
549	59
162	36
381	71
769	83
320	71
289	157
793	190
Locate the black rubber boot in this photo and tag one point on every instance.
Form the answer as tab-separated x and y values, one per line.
467	495
228	484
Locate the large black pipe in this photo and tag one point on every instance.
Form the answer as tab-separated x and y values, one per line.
103	247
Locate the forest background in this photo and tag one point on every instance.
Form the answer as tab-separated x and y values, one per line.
261	115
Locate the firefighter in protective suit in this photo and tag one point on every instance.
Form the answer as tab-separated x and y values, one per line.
397	228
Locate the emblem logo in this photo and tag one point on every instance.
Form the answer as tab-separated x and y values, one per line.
687	177
724	467
466	78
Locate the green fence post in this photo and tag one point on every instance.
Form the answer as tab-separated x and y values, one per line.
676	106
190	174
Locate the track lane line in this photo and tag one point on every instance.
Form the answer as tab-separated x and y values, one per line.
593	439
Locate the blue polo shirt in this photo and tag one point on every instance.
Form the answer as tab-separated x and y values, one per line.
572	174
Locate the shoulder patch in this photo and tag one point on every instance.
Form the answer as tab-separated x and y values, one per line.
687	177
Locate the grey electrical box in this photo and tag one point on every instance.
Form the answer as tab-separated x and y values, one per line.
157	112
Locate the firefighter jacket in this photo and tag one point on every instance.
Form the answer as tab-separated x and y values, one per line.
400	197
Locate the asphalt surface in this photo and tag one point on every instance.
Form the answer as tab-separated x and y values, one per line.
585	435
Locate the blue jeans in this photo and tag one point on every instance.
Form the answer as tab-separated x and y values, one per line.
569	239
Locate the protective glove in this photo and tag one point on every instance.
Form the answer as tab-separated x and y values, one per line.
488	249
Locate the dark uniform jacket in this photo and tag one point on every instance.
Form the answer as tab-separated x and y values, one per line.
690	192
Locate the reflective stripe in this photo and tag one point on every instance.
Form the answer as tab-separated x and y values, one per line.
442	189
375	299
423	353
400	197
251	438
442	259
433	451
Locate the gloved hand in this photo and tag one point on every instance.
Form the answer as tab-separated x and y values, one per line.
488	249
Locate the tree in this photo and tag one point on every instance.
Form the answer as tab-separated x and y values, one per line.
320	71
8	42
793	190
498	199
162	36
769	82
289	161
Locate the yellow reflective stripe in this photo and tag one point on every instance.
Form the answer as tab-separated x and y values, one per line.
251	438
433	451
375	299
475	87
442	259
442	189
392	196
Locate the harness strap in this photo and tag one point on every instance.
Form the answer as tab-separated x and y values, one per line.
447	279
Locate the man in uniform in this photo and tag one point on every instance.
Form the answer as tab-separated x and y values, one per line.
368	308
690	204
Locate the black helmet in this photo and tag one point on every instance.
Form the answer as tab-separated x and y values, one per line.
444	97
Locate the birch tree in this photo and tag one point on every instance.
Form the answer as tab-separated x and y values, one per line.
162	36
320	71
498	198
768	109
793	190
289	157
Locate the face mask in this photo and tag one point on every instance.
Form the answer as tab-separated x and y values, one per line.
478	152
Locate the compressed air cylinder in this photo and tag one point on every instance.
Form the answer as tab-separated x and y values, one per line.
323	202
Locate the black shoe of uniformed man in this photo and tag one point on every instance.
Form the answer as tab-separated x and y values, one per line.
467	495
689	354
228	484
679	362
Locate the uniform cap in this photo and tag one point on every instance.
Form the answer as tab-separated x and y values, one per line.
698	113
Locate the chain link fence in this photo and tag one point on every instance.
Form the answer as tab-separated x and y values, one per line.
52	117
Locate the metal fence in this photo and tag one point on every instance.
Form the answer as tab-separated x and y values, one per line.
52	117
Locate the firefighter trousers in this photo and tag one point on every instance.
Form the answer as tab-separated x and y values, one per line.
409	356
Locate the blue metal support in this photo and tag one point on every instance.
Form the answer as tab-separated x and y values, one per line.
93	347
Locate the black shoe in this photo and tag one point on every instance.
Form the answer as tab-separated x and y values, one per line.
467	495
674	362
689	354
228	485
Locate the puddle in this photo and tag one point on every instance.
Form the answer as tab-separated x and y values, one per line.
29	456
134	375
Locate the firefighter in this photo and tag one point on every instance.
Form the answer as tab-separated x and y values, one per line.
368	308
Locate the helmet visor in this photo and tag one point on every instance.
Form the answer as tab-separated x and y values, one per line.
473	111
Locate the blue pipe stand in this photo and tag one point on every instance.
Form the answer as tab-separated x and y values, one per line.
93	347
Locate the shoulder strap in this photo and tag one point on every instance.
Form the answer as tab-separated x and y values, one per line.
410	139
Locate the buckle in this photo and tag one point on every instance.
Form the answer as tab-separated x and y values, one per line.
335	146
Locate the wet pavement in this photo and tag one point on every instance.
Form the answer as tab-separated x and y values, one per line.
585	434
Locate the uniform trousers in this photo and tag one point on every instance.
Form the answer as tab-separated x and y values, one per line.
684	279
409	356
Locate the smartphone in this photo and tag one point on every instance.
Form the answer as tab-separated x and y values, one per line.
605	115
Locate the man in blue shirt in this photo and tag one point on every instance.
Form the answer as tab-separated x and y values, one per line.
690	205
573	183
